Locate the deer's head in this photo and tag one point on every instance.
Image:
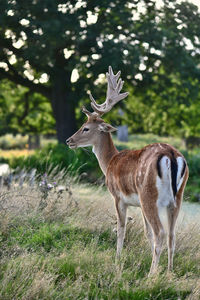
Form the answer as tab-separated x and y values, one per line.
91	130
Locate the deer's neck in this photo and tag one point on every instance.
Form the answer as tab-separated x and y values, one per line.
104	150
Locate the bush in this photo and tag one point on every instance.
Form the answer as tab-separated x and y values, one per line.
9	141
60	156
193	185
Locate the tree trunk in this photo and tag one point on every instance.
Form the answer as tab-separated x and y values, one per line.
64	109
192	142
33	141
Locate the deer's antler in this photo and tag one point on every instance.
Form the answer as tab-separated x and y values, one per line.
89	114
113	95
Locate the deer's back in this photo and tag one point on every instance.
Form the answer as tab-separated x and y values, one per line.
129	171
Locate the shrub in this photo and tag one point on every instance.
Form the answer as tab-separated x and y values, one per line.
9	141
193	185
60	156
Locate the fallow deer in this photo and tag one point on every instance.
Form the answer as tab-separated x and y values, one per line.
152	178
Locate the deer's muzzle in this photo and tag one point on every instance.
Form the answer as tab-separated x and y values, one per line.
71	143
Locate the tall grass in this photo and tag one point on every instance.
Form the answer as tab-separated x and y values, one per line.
65	249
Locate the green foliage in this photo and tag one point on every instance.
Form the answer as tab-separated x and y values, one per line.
166	99
170	106
24	112
193	186
60	156
9	141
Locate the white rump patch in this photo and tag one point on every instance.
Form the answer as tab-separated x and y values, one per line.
180	163
163	184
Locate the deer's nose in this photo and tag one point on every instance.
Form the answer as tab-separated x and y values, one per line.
68	141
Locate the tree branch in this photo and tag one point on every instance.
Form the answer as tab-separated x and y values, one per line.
7	44
26	108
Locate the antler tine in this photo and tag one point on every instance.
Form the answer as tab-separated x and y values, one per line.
93	101
113	77
113	95
85	111
91	115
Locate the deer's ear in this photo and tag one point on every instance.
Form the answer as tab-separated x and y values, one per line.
106	127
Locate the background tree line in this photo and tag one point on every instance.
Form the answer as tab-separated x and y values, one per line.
44	43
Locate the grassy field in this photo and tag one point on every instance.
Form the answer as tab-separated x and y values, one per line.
62	246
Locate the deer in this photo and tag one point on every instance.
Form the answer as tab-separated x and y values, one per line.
151	178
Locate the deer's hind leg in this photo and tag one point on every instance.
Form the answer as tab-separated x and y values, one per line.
172	215
148	231
150	211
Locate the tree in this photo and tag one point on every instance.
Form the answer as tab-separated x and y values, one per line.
169	103
22	111
53	38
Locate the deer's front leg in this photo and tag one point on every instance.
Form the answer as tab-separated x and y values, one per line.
121	209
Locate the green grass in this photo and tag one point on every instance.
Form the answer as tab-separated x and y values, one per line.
79	264
67	251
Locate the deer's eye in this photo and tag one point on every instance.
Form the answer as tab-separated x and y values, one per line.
85	129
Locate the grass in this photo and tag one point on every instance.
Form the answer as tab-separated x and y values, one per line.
65	249
15	153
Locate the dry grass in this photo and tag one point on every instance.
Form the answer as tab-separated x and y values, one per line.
15	153
63	247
